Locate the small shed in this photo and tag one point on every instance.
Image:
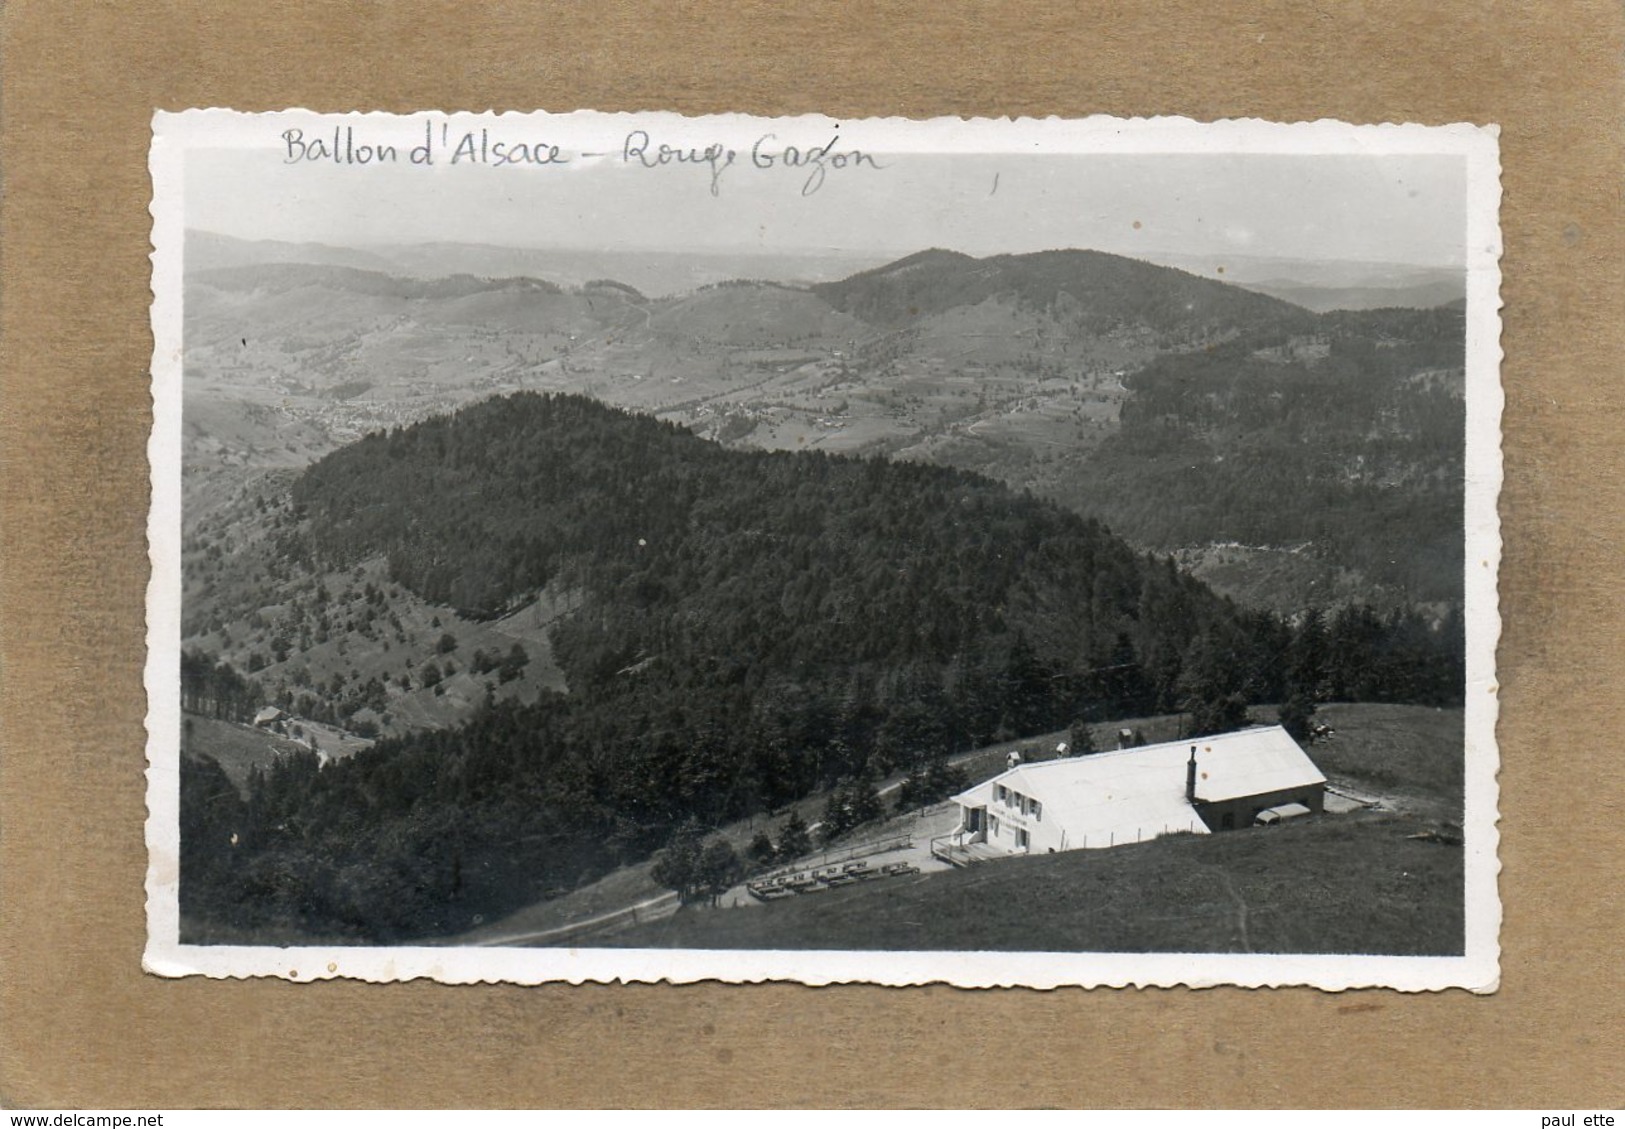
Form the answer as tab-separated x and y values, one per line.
269	715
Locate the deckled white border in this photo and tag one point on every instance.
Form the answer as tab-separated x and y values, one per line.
1477	970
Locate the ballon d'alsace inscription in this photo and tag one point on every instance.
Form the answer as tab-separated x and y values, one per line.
815	162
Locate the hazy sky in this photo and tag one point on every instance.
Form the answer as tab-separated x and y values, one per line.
1404	209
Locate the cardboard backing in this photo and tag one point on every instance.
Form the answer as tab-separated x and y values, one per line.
83	1027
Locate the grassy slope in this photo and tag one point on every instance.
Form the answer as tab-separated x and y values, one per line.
1410	755
238	748
1353	883
404	634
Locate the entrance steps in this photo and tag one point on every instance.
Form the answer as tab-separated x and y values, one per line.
964	854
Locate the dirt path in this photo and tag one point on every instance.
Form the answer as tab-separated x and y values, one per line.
661	905
1241	911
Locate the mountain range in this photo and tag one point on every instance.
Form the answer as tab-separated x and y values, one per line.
1315	284
1029	368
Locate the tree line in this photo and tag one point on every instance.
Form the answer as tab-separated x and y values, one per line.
211	688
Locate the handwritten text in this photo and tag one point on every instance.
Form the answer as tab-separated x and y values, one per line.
811	164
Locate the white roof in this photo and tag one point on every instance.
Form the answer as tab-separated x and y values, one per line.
1134	794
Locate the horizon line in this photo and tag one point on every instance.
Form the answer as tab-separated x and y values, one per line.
1152	256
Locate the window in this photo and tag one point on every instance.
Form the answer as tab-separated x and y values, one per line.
1038	811
1022	839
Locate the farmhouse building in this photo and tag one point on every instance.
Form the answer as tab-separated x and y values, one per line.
1131	795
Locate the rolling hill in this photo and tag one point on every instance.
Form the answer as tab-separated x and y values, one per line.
744	314
658	273
1096	290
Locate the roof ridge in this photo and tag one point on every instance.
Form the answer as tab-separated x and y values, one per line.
1179	742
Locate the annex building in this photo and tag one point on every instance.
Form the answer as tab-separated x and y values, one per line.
1108	799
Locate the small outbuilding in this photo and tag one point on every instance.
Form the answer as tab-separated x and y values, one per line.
269	715
1130	795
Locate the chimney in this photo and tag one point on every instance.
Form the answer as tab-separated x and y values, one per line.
1190	777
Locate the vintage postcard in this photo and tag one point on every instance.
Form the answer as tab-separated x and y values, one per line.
602	547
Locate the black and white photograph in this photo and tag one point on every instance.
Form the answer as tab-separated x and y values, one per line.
635	547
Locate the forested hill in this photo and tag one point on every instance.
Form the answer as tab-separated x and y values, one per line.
1100	289
697	562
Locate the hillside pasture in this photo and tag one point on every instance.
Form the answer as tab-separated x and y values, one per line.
1410	755
239	749
754	314
1353	884
1348	883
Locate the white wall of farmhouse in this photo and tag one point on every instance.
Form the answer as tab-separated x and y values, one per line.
1134	795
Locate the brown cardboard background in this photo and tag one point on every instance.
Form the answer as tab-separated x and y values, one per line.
82	1026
